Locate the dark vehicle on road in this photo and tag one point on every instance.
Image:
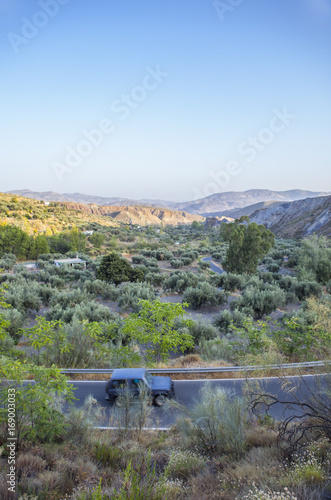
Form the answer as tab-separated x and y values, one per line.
133	380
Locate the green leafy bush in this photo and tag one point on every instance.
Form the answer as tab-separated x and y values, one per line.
204	295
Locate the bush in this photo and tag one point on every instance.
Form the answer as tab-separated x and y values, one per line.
225	320
183	464
204	295
231	282
132	293
176	263
155	279
202	331
100	288
305	289
215	350
16	320
180	280
89	311
216	423
23	297
261	302
7	261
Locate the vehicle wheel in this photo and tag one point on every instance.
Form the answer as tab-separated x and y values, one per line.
160	400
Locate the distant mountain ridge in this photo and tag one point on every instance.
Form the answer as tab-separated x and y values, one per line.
218	204
87	199
222	203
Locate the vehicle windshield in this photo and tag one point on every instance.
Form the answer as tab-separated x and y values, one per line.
148	378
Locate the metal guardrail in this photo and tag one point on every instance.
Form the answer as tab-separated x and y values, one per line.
209	369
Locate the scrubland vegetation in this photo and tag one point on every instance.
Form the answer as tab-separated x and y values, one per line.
147	298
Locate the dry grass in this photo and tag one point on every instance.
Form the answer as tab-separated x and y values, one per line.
58	471
258	435
30	465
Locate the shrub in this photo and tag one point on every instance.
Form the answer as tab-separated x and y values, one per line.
180	280
204	295
87	309
202	331
231	282
225	320
98	287
80	420
176	263
155	279
307	468
16	320
23	297
204	265
305	289
7	261
215	350
215	423
132	293
261	302
273	267
29	465
183	464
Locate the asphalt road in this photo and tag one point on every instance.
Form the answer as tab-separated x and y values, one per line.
187	390
214	267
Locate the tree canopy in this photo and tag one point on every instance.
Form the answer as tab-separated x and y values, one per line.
248	242
116	270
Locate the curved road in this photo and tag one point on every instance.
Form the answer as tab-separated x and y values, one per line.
213	266
187	390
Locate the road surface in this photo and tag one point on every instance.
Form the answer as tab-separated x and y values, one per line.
187	390
213	266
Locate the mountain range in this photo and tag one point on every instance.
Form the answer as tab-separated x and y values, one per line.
308	213
218	204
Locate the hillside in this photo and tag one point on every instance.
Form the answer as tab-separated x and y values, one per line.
142	215
298	218
219	204
35	216
236	213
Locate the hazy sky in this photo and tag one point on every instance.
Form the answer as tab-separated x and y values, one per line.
165	99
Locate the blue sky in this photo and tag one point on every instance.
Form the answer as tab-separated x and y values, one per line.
223	78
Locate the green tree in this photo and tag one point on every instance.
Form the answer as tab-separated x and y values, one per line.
155	327
97	239
13	240
248	242
38	246
116	270
77	240
38	415
315	258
